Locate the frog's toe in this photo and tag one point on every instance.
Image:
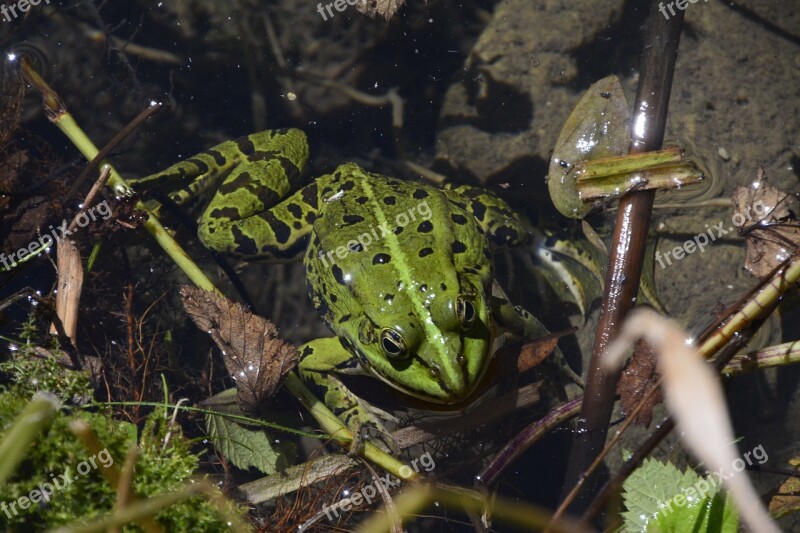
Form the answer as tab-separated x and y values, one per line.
367	427
380	437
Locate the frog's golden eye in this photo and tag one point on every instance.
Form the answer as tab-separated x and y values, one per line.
465	310
393	344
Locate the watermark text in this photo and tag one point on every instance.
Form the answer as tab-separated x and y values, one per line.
46	240
368	237
47	489
704	485
12	11
370	492
701	240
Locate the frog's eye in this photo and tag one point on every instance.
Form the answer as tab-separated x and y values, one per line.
465	310
393	344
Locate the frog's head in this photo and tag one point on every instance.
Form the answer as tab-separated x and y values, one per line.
429	342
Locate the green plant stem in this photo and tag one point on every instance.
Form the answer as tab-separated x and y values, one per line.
780	282
779	355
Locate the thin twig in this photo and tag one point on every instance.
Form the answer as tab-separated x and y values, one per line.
151	110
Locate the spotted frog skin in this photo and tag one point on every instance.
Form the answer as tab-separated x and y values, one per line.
400	271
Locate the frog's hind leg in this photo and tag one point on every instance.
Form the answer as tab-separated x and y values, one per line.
246	217
191	177
320	361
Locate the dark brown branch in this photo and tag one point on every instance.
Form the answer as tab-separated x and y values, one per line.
628	245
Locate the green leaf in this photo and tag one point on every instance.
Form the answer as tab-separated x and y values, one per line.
243	446
712	514
597	127
658	497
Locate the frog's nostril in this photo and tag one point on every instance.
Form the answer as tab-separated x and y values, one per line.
461	360
435	371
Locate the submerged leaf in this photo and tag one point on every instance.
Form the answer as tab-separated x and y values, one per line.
787	500
769	222
244	447
636	382
537	350
257	359
597	127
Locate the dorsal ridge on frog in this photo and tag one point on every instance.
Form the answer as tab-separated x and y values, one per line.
413	307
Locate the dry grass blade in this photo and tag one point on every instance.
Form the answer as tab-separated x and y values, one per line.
695	399
70	285
257	359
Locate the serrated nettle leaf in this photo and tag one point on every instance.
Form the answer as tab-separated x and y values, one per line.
658	497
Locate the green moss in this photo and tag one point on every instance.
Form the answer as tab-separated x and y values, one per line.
57	455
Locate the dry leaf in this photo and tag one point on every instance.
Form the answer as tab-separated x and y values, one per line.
637	380
384	8
787	500
535	351
769	223
257	359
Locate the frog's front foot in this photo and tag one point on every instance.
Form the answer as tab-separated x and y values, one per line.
368	427
320	362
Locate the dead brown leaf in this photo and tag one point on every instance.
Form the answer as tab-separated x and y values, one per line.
787	500
769	223
257	359
636	382
535	351
384	8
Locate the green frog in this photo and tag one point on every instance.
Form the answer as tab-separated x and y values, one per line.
400	271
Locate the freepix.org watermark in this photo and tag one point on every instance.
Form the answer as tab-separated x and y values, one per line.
701	240
680	4
12	11
368	237
339	5
701	488
370	492
82	220
47	489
